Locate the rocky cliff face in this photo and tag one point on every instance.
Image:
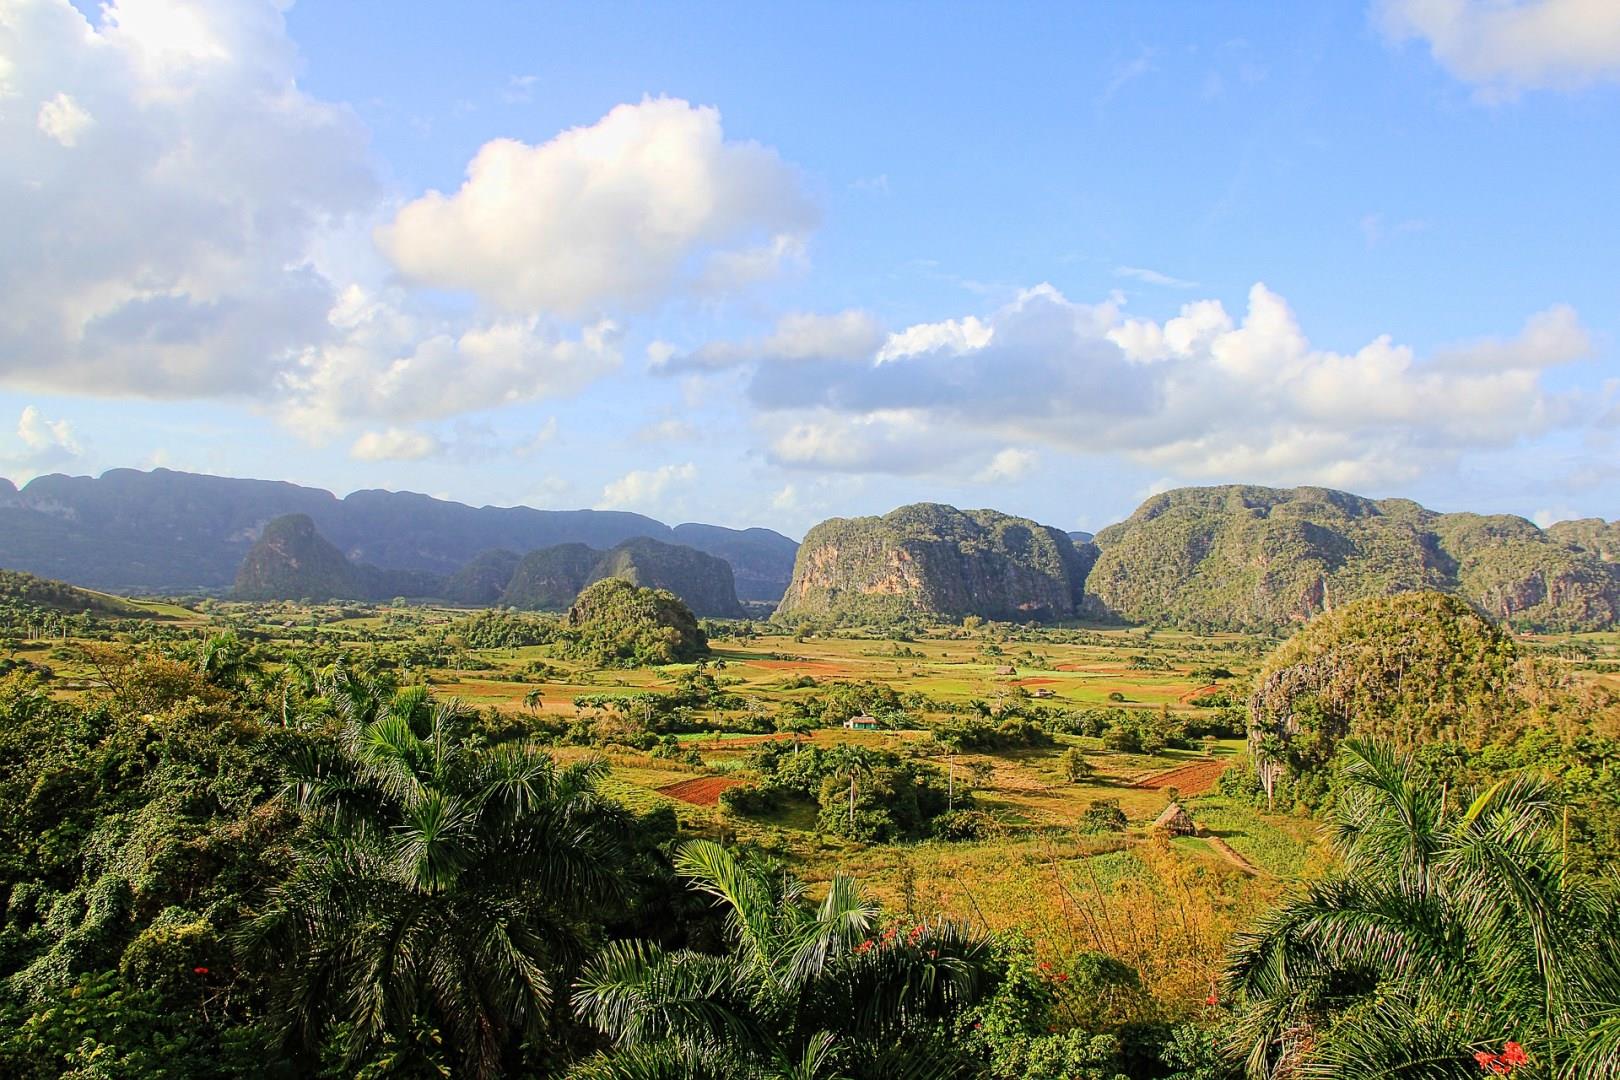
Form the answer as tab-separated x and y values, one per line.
1252	558
293	561
761	560
933	560
551	578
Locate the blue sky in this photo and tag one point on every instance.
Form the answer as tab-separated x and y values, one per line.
764	266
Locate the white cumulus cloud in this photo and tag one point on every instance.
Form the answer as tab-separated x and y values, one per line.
1200	396
1009	465
161	178
385	362
44	445
1504	46
643	487
395	444
649	199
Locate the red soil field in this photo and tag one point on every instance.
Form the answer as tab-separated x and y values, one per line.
1193	779
700	790
1035	682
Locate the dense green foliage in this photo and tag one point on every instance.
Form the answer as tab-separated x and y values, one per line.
805	989
25	591
1252	558
1410	669
869	795
1452	938
443	891
274	851
617	624
933	560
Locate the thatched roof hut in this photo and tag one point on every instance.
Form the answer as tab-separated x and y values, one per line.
1006	669
1175	821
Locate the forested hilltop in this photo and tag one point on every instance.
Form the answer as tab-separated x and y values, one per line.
933	560
1255	558
165	531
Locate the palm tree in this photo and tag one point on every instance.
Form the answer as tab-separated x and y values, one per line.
853	762
809	991
445	890
1452	930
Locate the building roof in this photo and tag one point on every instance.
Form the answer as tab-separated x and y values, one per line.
1175	821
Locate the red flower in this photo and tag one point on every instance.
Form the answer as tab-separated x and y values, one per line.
865	946
1212	999
1513	1054
199	971
1062	976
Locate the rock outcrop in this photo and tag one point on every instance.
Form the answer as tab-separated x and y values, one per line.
936	561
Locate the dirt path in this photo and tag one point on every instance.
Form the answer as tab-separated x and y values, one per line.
1194	778
699	791
1224	850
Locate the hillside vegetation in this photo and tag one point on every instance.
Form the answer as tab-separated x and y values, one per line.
933	560
18	589
1254	558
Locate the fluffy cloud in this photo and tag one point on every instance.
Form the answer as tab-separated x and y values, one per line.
642	487
44	445
1506	47
1009	465
386	363
161	177
1200	395
181	220
395	444
649	199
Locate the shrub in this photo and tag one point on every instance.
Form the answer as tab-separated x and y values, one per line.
1102	816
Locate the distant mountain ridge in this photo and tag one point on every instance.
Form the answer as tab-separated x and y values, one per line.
166	531
291	560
